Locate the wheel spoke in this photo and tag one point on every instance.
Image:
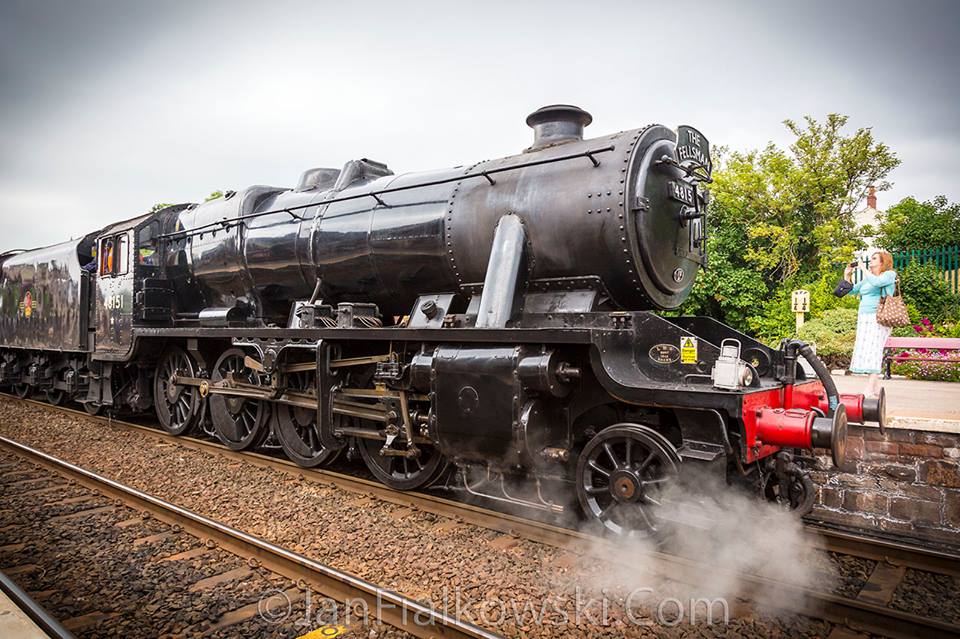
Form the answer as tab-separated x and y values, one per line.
609	450
646	518
605	513
593	464
659	480
648	460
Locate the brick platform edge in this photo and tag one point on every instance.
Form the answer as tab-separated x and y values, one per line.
906	483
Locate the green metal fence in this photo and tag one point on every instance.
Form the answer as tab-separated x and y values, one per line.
946	259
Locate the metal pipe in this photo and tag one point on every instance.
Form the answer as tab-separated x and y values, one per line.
503	273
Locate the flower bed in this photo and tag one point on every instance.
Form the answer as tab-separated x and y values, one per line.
945	366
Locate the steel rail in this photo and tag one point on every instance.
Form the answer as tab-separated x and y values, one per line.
857	614
889	550
387	605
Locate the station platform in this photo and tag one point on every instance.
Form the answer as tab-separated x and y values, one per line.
14	623
17	614
913	404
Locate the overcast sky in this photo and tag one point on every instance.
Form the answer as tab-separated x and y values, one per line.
109	107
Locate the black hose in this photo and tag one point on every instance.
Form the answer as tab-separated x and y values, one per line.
833	396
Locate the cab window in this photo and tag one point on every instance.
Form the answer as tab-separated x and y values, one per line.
123	255
106	256
114	255
146	251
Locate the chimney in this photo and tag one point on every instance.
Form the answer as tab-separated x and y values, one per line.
872	197
556	124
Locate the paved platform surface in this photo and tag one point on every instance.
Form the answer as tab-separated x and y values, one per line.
912	403
14	623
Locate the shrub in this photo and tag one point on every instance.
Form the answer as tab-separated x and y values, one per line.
834	334
923	286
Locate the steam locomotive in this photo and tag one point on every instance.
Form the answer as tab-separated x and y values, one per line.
485	324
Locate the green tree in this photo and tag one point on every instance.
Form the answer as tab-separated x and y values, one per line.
910	224
783	219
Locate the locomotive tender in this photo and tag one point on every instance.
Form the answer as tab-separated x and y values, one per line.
494	319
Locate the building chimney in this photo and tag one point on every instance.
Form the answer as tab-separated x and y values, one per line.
872	197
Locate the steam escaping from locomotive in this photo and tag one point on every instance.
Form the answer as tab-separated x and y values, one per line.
489	327
730	538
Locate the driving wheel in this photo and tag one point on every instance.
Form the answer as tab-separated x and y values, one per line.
402	473
239	422
296	426
178	406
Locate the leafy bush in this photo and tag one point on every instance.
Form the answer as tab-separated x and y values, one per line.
923	286
834	334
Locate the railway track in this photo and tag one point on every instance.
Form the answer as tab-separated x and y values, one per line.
868	611
386	606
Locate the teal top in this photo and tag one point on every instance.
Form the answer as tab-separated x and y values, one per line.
871	287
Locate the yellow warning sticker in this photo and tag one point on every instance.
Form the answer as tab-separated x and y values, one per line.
688	350
324	632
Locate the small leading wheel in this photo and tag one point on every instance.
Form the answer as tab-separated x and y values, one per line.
296	426
55	396
402	473
239	422
178	406
795	492
22	390
622	474
92	408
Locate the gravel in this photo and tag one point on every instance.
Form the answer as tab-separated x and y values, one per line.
99	564
500	583
928	594
849	573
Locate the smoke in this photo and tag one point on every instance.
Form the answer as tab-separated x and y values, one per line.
721	535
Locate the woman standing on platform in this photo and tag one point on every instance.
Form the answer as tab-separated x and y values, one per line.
879	280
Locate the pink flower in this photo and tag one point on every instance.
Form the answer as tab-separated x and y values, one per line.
925	321
918	328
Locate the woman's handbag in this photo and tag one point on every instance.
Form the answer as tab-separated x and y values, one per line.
891	311
843	287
